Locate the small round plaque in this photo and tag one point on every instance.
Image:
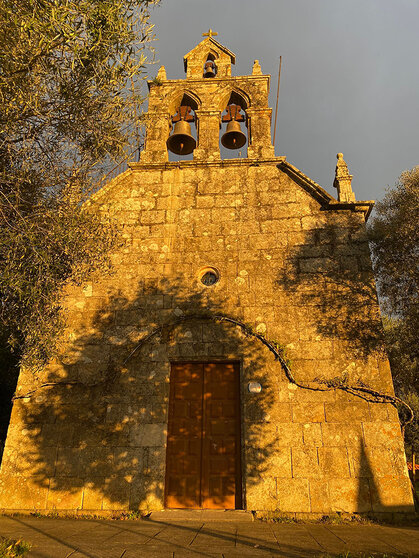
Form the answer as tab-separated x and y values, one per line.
254	387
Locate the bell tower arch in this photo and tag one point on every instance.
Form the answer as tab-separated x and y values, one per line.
209	89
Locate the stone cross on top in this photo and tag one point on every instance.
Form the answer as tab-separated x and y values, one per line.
210	33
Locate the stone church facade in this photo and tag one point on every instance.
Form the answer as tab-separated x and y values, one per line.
166	392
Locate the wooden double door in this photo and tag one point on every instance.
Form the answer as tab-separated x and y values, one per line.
203	445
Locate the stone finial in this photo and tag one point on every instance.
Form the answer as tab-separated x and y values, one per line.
343	181
257	70
161	74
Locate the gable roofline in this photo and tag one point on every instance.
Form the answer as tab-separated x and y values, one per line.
216	44
107	186
326	200
307	183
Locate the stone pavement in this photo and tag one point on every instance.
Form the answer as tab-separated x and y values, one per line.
201	534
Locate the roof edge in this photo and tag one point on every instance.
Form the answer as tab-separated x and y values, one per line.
319	193
106	186
217	44
326	200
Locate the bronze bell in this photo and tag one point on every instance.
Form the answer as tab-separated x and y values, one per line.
181	141
209	69
233	137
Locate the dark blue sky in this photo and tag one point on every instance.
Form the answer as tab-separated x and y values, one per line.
349	83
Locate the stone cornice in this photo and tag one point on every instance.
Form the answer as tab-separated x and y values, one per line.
185	82
216	163
365	206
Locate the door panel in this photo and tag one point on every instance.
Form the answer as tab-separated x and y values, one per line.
203	448
184	437
220	473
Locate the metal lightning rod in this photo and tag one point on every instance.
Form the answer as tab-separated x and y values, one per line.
277	96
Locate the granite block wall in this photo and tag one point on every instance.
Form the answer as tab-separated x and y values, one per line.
91	432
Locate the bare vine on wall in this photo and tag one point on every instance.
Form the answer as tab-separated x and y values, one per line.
358	389
319	384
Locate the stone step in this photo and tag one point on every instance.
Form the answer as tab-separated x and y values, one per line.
202	515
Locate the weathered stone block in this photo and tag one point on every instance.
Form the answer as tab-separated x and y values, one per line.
342	434
317	265
319	496
289	434
18	492
391	494
93	495
376	461
308	412
116	493
350	495
379	411
305	462
261	493
334	462
95	462
205	201
382	434
347	412
144	435
312	434
146	494
276	462
68	462
293	495
152	217
280	412
65	493
155	465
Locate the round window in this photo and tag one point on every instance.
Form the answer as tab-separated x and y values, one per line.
209	276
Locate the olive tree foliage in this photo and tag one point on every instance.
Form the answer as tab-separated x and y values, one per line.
70	88
394	240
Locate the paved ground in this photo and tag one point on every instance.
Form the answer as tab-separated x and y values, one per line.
167	535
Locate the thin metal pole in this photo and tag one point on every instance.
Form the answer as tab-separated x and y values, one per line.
137	130
277	96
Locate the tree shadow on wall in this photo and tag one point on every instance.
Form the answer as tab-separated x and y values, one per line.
329	274
96	431
383	485
329	277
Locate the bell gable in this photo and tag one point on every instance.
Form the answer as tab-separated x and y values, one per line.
210	49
